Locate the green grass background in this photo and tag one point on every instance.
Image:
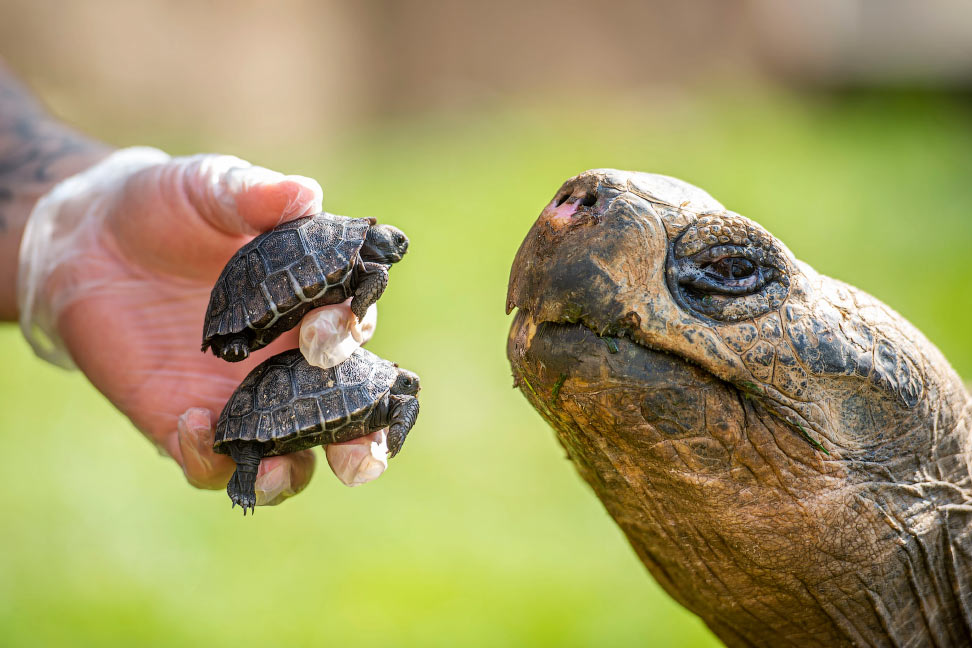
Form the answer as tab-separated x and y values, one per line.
480	533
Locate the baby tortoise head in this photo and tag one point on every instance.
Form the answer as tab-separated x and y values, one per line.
406	384
384	244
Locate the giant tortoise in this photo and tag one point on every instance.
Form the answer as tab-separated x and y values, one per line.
788	456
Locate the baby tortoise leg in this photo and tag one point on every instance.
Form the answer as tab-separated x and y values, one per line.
403	412
241	490
231	348
370	282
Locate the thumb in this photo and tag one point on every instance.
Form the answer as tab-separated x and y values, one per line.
236	197
187	216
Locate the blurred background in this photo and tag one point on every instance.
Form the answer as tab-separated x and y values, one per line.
843	126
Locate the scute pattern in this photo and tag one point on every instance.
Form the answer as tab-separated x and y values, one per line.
279	248
307	261
290	405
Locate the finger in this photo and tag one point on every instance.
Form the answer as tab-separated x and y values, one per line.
188	216
361	460
237	197
202	466
282	477
329	335
366	327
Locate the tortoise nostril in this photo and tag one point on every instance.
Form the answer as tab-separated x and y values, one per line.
578	195
580	191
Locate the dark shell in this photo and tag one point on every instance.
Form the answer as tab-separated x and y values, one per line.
272	281
290	405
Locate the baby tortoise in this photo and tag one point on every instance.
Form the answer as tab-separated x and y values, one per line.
275	279
286	405
789	457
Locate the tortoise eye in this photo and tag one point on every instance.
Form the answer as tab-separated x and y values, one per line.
732	268
727	268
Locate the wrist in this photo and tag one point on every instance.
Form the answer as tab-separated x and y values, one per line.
62	229
19	195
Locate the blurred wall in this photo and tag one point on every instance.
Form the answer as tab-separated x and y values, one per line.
866	42
432	53
240	68
270	73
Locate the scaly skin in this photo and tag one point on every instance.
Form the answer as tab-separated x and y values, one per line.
791	461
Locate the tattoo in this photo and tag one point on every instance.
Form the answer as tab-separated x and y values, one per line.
36	151
30	143
6	196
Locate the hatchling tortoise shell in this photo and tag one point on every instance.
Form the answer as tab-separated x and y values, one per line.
286	404
275	279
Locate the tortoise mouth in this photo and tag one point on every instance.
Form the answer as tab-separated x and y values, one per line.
613	386
564	349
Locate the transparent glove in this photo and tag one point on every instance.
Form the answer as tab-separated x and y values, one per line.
116	268
361	460
329	336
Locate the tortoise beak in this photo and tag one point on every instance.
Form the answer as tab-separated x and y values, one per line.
563	270
596	256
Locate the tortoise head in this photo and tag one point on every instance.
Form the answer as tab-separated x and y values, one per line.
406	383
384	244
733	409
660	262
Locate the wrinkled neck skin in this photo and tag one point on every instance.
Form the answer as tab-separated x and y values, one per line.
796	472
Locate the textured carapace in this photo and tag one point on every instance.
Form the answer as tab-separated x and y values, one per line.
788	456
288	405
274	280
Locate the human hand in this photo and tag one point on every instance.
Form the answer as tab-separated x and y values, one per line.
123	281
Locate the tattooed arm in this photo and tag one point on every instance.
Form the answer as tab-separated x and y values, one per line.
121	284
36	152
130	316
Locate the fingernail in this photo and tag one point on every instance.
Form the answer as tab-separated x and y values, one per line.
360	461
229	175
274	486
308	199
239	177
281	478
194	426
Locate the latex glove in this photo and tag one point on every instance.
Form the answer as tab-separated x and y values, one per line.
361	460
116	268
328	337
